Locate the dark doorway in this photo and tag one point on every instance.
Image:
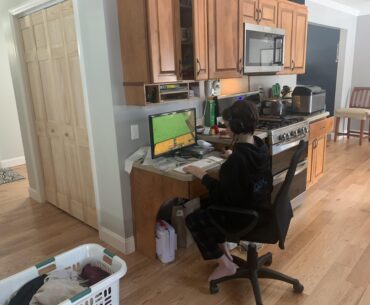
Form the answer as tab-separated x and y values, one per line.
322	63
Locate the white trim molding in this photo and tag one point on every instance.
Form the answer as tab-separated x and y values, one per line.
13	162
126	246
32	6
35	195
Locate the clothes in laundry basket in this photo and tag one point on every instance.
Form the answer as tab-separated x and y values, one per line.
93	274
56	291
27	291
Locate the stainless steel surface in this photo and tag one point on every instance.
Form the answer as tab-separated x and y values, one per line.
261	69
263	29
308	104
261	65
308	99
279	178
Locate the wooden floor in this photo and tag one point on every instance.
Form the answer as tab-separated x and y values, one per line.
328	245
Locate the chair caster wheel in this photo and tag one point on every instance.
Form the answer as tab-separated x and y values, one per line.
213	288
268	262
298	288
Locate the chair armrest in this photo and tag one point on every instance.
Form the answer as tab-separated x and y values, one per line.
238	211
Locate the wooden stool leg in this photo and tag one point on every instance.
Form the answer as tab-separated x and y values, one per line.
348	128
362	130
337	122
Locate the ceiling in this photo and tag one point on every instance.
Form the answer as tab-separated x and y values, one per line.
358	7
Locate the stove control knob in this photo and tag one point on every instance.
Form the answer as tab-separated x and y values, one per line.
300	130
281	137
287	136
305	130
293	133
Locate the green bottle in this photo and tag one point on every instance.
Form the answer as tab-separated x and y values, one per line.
210	113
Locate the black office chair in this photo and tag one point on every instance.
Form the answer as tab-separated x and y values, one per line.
271	231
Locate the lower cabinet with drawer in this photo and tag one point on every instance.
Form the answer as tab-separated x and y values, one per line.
317	149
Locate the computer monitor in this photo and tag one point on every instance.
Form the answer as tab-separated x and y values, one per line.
172	131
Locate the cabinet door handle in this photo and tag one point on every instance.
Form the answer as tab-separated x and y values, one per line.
200	67
241	65
257	14
260	16
293	64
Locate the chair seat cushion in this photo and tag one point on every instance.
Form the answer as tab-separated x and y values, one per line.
353	113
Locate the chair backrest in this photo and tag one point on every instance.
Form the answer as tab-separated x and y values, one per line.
282	206
360	98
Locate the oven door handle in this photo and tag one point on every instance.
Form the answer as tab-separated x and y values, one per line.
286	145
279	178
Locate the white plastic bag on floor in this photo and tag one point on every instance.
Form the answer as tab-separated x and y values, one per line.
166	242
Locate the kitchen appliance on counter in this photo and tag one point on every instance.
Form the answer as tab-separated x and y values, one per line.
276	106
263	49
308	99
284	136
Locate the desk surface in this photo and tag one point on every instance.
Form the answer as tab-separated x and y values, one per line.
173	174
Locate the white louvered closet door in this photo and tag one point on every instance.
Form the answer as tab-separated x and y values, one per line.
51	56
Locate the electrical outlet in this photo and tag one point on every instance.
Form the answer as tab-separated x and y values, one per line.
134	132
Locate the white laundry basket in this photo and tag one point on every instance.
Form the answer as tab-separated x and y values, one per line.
106	292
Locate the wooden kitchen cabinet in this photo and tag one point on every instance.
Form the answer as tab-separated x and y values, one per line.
225	39
162	41
262	12
150	46
317	149
293	18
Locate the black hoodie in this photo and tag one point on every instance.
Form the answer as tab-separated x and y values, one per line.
245	178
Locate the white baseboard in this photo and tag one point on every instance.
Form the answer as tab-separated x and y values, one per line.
35	195
126	246
13	162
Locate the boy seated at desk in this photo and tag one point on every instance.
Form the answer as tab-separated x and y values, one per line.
245	181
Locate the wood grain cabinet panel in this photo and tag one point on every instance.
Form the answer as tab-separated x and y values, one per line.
268	12
317	149
164	38
300	40
262	12
293	19
225	28
250	11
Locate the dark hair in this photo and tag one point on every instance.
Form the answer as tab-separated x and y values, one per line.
242	117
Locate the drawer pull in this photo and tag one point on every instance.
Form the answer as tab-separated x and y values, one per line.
52	130
66	134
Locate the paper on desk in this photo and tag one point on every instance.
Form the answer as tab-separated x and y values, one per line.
139	154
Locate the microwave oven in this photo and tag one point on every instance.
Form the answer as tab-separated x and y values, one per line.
263	49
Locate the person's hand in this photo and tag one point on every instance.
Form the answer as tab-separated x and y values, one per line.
195	171
226	154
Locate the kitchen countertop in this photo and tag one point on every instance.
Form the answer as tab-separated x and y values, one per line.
312	117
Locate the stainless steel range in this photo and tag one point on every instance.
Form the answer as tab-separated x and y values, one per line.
284	135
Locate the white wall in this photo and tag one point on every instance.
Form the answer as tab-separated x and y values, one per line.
361	65
10	136
329	16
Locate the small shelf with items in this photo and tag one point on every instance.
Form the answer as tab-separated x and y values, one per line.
159	93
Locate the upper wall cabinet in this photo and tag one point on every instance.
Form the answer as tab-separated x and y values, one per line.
164	40
225	38
150	46
293	18
262	12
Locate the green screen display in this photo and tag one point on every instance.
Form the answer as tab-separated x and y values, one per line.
171	131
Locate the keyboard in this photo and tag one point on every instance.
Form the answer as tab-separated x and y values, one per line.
206	164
